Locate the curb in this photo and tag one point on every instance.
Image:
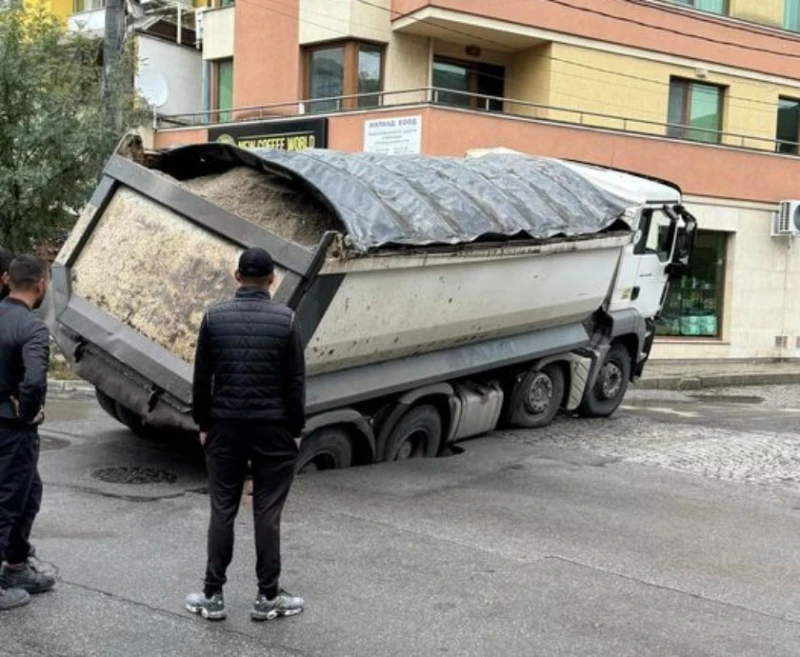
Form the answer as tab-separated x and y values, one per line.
719	381
64	387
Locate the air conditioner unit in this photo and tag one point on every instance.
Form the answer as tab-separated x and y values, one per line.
786	222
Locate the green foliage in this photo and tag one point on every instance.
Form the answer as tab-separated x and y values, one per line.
56	130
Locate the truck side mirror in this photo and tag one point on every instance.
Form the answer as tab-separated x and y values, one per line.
684	245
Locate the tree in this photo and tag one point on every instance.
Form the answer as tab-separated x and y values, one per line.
57	124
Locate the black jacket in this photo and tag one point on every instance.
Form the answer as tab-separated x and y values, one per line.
24	360
249	364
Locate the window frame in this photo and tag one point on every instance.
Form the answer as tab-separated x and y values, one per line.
474	75
778	142
221	115
350	63
692	4
684	127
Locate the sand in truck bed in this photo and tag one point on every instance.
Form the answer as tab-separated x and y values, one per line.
267	201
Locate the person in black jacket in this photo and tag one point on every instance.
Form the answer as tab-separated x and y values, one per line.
249	403
24	361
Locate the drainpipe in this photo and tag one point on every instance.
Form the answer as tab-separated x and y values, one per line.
206	85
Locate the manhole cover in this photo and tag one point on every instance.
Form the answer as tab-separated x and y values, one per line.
729	399
125	475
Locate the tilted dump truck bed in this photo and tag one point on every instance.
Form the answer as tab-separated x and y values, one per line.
401	270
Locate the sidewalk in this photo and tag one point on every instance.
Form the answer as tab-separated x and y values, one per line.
691	375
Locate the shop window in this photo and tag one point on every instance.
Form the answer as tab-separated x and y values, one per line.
695	111
469	84
788	131
693	307
223	89
791	15
344	69
711	6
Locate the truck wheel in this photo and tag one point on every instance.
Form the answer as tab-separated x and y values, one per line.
418	434
537	398
135	423
326	449
612	383
106	403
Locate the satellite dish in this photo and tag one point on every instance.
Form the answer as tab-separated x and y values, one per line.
153	87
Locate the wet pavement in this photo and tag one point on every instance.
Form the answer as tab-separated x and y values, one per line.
671	529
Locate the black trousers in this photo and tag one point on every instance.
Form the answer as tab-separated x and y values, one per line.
272	452
20	490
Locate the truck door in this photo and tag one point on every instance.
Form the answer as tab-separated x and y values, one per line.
653	248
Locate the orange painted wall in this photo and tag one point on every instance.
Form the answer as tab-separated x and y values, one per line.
266	61
179	137
546	15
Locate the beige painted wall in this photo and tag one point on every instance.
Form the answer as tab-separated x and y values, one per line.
762	285
407	66
528	77
623	86
767	12
218	33
327	20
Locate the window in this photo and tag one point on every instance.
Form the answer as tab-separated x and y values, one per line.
788	131
223	89
712	6
658	235
693	307
695	111
463	79
791	15
80	6
345	69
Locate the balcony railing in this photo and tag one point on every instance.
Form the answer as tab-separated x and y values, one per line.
470	102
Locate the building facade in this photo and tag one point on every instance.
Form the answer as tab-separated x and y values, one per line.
705	93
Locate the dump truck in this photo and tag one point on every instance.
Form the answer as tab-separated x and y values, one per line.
439	298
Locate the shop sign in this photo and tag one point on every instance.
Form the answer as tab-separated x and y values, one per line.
400	135
297	135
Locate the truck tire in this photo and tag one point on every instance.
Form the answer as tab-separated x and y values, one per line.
418	434
537	398
326	449
135	423
106	403
612	383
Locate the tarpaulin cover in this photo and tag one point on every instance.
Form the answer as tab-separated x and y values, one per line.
417	200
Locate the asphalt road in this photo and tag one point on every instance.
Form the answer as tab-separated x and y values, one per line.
671	529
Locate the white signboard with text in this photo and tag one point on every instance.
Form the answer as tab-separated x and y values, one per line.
400	135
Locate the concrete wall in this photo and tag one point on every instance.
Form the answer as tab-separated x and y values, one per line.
762	285
327	20
180	68
218	33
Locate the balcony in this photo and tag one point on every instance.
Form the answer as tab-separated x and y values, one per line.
454	122
89	19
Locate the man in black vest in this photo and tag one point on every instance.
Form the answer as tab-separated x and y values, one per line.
24	360
249	403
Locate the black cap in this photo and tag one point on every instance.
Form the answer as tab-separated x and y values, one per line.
256	263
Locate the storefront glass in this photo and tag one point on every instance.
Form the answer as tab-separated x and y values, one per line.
693	308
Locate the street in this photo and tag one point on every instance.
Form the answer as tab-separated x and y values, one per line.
671	529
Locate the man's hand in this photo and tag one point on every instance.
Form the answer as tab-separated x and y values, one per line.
39	417
15	405
203	437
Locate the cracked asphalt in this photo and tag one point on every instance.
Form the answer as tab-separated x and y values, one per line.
671	529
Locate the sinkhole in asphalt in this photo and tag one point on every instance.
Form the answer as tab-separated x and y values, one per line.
135	476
